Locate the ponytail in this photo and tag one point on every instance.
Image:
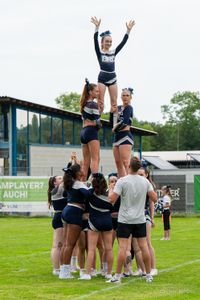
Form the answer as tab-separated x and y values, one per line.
167	188
99	184
51	186
70	176
86	93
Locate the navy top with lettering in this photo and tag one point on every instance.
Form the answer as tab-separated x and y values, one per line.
116	205
99	203
78	193
107	59
91	111
59	198
125	115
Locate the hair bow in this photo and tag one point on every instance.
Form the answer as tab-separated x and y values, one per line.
105	33
112	174
68	170
97	175
87	83
129	89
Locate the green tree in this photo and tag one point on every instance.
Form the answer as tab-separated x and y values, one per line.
69	101
183	113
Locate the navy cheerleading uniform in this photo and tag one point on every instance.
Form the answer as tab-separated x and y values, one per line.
125	115
77	195
59	201
115	210
100	213
91	113
147	211
106	60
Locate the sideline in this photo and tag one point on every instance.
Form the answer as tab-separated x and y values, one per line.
25	255
115	286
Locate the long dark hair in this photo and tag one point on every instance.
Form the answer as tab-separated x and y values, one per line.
70	176
51	186
86	93
148	176
99	184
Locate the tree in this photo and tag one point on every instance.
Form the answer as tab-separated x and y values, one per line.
69	101
183	113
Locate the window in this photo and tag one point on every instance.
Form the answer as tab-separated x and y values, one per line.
22	141
45	129
57	131
68	132
4	123
34	127
77	130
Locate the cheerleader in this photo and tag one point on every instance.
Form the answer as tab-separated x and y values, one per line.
91	125
166	200
72	214
56	199
106	58
100	221
123	139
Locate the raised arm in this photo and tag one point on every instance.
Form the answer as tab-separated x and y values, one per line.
97	23
129	26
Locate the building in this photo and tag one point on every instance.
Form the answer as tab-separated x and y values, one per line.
37	140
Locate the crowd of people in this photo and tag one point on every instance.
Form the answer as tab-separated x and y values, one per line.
92	211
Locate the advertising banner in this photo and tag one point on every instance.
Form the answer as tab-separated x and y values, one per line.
20	194
178	189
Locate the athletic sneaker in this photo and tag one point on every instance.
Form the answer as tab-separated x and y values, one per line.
74	268
163	239
56	272
149	278
138	272
125	275
85	277
114	279
154	272
108	276
93	273
65	275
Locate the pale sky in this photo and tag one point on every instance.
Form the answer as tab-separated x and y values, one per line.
46	48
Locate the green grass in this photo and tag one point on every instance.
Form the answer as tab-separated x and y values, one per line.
26	271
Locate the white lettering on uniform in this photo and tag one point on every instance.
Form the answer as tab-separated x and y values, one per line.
108	59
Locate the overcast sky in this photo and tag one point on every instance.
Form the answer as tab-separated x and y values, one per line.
46	48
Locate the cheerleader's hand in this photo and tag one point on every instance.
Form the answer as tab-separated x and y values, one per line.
152	223
129	25
95	21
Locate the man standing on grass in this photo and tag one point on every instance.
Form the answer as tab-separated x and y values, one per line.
133	189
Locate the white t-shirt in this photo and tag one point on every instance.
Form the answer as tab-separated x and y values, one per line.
133	190
166	200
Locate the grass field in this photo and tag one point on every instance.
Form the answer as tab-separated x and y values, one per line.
26	271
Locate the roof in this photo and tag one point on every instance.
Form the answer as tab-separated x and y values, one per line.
159	162
173	155
61	112
195	156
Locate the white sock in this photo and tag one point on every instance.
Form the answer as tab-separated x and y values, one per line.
74	261
105	266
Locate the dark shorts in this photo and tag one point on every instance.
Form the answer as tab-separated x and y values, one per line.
72	215
166	215
123	138
85	225
107	79
100	222
114	223
125	230
57	221
88	134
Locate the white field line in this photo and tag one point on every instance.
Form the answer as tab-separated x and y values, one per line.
115	285
25	255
